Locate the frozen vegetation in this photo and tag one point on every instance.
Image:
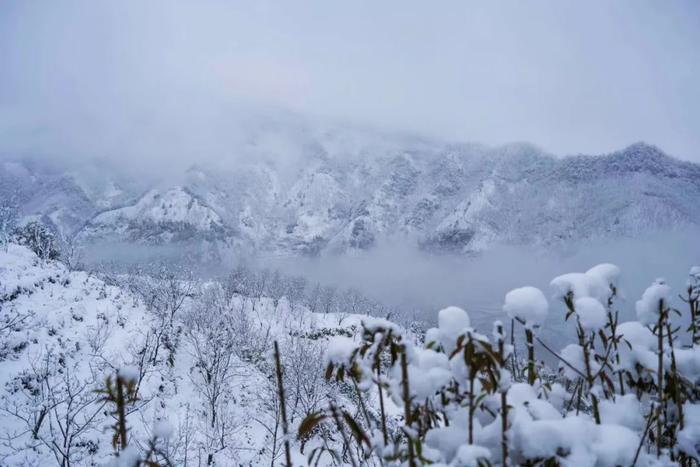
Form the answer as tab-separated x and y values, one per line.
156	367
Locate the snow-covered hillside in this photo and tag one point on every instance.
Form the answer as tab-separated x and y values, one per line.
299	189
202	385
201	363
158	217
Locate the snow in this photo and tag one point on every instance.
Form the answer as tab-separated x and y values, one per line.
656	296
447	440
581	285
527	304
591	313
452	322
689	437
475	188
432	336
544	438
694	282
163	430
695	272
614	445
525	400
607	272
637	335
636	349
374	324
65	312
574	356
688	363
156	213
624	410
340	349
130	374
22	272
471	456
583	442
520	393
558	396
428	372
129	457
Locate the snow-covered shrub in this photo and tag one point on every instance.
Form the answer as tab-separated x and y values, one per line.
8	220
693	301
528	306
627	393
38	238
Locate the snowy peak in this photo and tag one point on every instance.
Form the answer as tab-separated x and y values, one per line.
173	205
53	197
157	217
639	158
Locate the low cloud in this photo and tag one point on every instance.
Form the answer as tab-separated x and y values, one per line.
162	85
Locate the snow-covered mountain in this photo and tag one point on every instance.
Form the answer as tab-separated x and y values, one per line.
158	217
337	190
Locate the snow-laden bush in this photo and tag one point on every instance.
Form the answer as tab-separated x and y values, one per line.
626	393
38	238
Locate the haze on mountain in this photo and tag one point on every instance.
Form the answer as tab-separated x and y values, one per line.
162	85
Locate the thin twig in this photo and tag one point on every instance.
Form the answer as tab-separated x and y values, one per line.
560	357
283	406
650	420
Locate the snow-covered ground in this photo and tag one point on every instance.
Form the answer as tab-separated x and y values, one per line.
200	359
62	333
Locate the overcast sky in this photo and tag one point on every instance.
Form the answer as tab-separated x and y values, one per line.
153	79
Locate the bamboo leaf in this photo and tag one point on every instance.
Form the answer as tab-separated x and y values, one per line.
356	430
309	423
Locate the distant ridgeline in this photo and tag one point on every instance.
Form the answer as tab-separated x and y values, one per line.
352	191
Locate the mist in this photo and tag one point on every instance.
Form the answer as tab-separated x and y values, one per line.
402	275
158	86
419	284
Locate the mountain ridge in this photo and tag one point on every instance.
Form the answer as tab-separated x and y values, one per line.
348	191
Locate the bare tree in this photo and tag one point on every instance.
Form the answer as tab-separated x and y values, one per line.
38	238
71	252
304	377
239	281
59	409
8	220
164	293
314	298
211	336
295	289
276	287
259	285
328	299
271	420
352	301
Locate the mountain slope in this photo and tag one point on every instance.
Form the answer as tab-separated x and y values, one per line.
334	190
63	333
158	217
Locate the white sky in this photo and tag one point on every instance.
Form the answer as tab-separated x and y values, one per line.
143	78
